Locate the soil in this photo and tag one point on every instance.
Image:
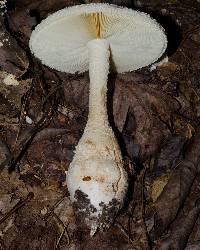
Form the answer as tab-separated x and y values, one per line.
155	113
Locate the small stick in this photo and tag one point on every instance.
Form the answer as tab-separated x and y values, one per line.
51	210
127	234
143	225
17	206
64	230
60	237
22	114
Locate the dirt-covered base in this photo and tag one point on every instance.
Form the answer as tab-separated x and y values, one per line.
86	212
155	114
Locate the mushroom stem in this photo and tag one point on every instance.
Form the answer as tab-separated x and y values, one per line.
96	179
99	54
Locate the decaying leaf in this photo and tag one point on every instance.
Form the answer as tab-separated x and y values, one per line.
13	58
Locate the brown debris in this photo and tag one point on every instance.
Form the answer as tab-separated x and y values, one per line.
13	59
177	188
151	111
180	230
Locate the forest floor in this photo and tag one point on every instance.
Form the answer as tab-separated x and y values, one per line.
156	114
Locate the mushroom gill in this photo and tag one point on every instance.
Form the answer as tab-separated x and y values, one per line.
104	25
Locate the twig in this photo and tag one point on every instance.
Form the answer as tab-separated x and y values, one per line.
188	33
123	229
17	206
143	206
51	210
64	230
60	237
22	113
25	142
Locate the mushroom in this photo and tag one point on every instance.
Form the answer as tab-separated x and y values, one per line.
84	37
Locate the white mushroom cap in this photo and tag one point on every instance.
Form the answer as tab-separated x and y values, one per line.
60	41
